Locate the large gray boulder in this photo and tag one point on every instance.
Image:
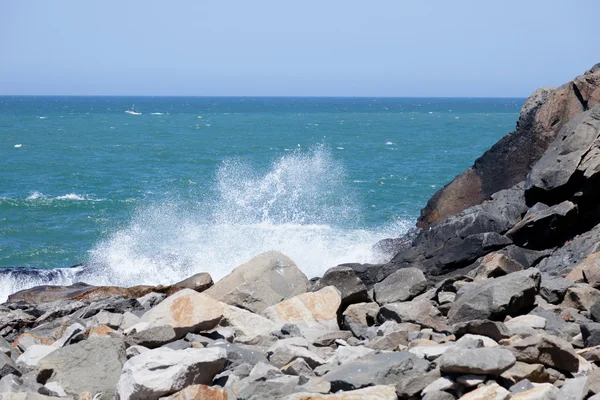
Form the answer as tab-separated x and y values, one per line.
93	365
161	372
265	280
481	361
402	285
498	297
418	311
375	369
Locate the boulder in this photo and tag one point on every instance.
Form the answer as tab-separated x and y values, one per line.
93	365
547	350
544	226
32	356
492	329
498	297
494	265
8	366
402	285
265	280
153	337
246	323
591	334
198	282
313	312
553	288
568	257
381	392
574	389
490	392
375	369
543	115
185	311
282	354
532	372
482	361
422	312
351	288
199	392
544	391
161	372
581	297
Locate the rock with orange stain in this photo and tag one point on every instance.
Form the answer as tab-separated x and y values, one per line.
263	281
186	311
27	340
313	312
100	330
380	392
199	392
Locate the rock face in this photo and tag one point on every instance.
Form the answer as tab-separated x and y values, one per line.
92	366
263	281
160	372
543	115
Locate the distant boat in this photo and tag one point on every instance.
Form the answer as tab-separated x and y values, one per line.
132	111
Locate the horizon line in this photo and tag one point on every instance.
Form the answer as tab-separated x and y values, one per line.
266	96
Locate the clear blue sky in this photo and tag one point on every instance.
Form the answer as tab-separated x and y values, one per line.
287	48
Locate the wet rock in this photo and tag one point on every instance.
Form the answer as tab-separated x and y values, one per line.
160	372
92	365
185	311
266	280
482	361
375	369
497	298
402	285
547	350
314	313
351	288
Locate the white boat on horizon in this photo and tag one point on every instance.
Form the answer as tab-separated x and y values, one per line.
132	111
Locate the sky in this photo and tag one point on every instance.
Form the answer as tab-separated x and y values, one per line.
393	48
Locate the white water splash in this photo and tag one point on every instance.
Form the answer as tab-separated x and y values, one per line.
298	207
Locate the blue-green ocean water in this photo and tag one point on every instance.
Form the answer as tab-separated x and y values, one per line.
204	184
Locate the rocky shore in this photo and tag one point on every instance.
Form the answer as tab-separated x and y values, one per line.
496	296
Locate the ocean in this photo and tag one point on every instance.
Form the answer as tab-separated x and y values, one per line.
191	184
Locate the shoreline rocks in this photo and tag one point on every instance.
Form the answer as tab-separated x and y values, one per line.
497	297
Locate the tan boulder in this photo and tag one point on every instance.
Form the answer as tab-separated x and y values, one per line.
246	323
263	281
494	265
199	392
490	392
312	312
186	311
591	269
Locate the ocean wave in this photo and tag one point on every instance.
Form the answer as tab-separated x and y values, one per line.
300	205
69	196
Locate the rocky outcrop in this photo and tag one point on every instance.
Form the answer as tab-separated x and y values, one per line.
509	161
